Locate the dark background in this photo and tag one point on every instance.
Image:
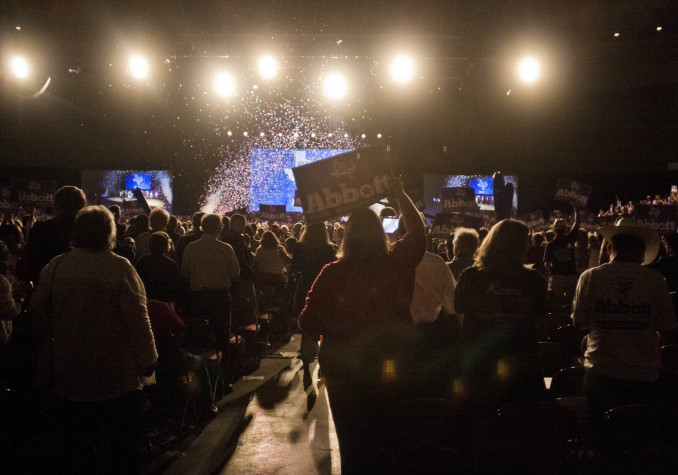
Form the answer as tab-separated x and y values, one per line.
605	112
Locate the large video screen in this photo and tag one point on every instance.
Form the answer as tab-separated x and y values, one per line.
114	187
272	181
138	180
481	184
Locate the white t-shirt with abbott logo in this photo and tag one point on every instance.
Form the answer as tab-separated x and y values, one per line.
624	305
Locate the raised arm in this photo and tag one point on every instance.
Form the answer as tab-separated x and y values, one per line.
411	217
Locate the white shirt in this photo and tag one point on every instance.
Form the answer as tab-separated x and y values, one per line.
209	264
433	289
624	304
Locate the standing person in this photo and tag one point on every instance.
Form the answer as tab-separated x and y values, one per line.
624	305
465	244
560	261
190	237
502	301
120	228
158	220
92	303
309	256
245	297
53	237
360	305
211	268
158	272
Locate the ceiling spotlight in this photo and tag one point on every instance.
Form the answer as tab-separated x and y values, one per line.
345	136
659	28
313	135
378	136
245	134
229	133
529	70
20	67
616	35
261	134
335	87
224	84
138	66
402	69
363	136
268	67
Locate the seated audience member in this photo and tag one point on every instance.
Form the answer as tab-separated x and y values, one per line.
158	272
535	254
465	244
560	260
53	237
667	264
503	302
360	305
157	220
624	305
93	305
211	268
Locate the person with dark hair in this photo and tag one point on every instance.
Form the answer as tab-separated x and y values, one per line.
271	259
91	304
560	260
188	238
120	229
503	302
211	268
245	300
360	305
159	273
172	228
309	256
158	220
53	237
667	264
623	304
139	224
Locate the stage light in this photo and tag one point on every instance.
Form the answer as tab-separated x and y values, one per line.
402	69
335	87
261	134
20	67
224	84
245	134
378	136
345	136
616	35
229	133
659	28
363	136
313	135
138	67
529	70
268	67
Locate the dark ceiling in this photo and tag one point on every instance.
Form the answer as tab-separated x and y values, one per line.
604	103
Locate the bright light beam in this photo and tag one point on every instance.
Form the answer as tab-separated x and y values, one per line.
529	70
402	69
20	67
224	84
138	66
335	87
268	67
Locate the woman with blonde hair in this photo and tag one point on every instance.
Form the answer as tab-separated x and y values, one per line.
502	301
360	305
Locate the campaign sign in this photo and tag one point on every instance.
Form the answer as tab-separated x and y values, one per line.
458	199
591	222
38	193
272	212
535	220
336	186
661	219
573	191
444	224
7	203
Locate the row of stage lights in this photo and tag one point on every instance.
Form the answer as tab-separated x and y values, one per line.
335	86
296	135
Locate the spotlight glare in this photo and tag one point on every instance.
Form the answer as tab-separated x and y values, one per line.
268	67
261	134
224	84
659	28
335	87
402	69
378	136
616	35
229	133
529	70
245	134
20	67
138	66
363	136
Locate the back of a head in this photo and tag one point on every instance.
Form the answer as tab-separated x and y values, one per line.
388	212
69	200
504	247
628	248
94	229
537	239
211	223
315	235
269	240
141	222
158	219
238	222
197	219
158	243
364	238
465	242
115	211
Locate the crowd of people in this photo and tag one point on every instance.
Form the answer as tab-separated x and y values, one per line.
390	317
626	209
